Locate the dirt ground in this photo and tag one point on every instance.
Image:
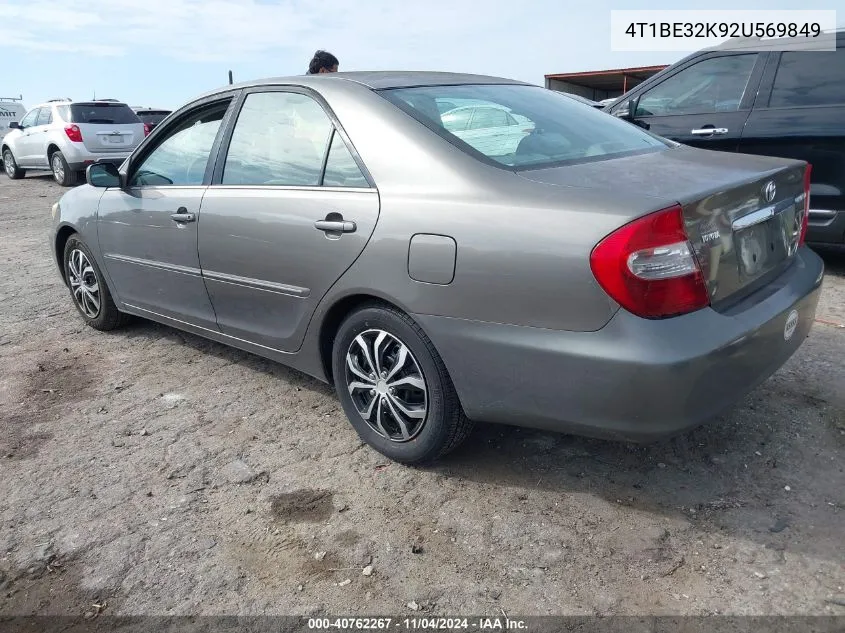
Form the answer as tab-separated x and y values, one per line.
148	471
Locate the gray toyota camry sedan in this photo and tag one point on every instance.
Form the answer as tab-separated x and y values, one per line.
453	248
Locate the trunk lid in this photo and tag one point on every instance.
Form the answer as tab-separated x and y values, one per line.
742	213
107	127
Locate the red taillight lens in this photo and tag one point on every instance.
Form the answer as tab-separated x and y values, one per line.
73	133
147	129
805	219
649	267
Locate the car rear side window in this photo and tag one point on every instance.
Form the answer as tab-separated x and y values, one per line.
523	126
103	113
181	157
809	78
45	116
341	168
280	138
152	117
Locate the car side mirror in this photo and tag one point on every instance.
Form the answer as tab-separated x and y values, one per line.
14	125
103	175
628	110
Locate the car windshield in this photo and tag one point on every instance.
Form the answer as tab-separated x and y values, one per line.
522	127
105	113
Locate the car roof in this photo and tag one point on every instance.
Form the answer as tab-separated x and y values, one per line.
58	102
780	44
376	80
493	106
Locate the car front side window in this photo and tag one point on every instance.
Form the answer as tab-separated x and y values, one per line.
181	157
712	85
30	118
488	117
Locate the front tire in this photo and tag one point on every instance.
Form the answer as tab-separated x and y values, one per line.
62	173
394	387
10	166
88	289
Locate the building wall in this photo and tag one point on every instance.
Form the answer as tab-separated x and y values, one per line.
589	93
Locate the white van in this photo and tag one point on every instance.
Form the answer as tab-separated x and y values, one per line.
11	109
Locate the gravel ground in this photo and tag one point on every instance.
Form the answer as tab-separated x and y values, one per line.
149	471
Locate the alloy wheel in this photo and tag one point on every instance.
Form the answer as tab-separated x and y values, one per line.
386	385
83	283
9	163
58	167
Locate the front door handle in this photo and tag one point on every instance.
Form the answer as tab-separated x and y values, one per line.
335	226
182	216
709	131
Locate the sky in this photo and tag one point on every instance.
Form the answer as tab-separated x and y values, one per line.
162	53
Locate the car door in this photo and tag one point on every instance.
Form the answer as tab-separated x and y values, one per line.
289	210
148	229
23	146
37	138
800	113
705	103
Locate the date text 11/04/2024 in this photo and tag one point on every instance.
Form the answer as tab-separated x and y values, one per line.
417	624
723	29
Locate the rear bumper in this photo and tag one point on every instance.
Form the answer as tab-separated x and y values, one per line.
635	379
78	158
82	165
826	227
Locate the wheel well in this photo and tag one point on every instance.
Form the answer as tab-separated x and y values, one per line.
61	240
51	149
334	317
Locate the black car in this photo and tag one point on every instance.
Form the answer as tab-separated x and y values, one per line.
151	116
758	100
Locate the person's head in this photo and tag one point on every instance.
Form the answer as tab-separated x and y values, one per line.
323	62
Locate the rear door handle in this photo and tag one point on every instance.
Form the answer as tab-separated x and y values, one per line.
335	226
709	131
182	216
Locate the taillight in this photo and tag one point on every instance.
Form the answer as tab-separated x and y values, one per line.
805	219
73	133
147	129
649	268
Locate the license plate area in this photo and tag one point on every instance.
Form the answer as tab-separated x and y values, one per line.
762	246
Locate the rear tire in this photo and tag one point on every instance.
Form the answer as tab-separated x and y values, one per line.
419	418
88	289
11	167
62	172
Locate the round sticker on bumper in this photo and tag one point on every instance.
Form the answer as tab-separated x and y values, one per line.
791	325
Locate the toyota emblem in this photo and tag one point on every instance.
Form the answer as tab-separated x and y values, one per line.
769	191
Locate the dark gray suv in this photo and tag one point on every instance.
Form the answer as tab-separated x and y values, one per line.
758	101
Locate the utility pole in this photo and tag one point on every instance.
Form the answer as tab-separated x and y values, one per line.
230	78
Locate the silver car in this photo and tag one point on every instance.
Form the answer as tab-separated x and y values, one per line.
488	129
66	136
597	280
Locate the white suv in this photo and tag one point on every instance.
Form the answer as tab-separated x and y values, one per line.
66	136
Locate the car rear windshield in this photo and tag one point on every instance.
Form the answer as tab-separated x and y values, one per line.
151	116
106	113
522	127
